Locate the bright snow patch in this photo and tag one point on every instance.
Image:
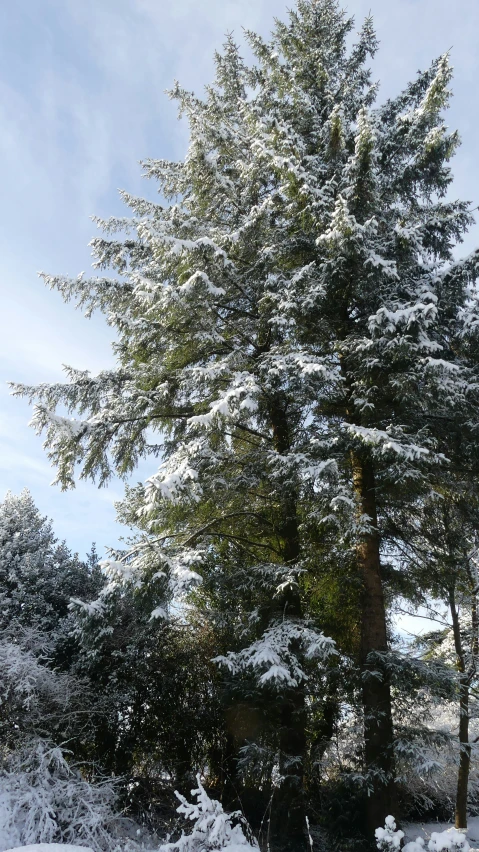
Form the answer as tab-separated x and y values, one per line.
439	835
432	837
50	847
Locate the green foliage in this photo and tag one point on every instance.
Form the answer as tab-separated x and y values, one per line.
290	319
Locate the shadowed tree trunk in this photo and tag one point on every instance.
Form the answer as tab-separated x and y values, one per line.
376	694
464	744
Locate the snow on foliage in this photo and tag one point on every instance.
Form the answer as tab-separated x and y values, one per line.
275	656
213	828
452	839
26	680
388	839
38	575
293	339
222	262
44	800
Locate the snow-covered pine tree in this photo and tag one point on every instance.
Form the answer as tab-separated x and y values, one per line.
26	545
284	323
37	647
39	575
44	797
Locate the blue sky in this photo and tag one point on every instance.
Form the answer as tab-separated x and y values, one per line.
81	102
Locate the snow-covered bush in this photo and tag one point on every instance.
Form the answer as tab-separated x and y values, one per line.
38	701
25	680
44	800
440	841
388	839
213	828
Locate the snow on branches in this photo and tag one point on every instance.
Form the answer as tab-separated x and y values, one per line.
44	800
213	828
275	657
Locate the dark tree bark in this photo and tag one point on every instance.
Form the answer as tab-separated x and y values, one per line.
460	820
376	693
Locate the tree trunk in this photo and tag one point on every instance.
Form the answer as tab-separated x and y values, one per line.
464	744
289	814
376	693
465	756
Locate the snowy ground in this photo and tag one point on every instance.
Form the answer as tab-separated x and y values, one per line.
50	847
425	830
411	831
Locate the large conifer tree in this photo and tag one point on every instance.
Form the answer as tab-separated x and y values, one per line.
286	323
